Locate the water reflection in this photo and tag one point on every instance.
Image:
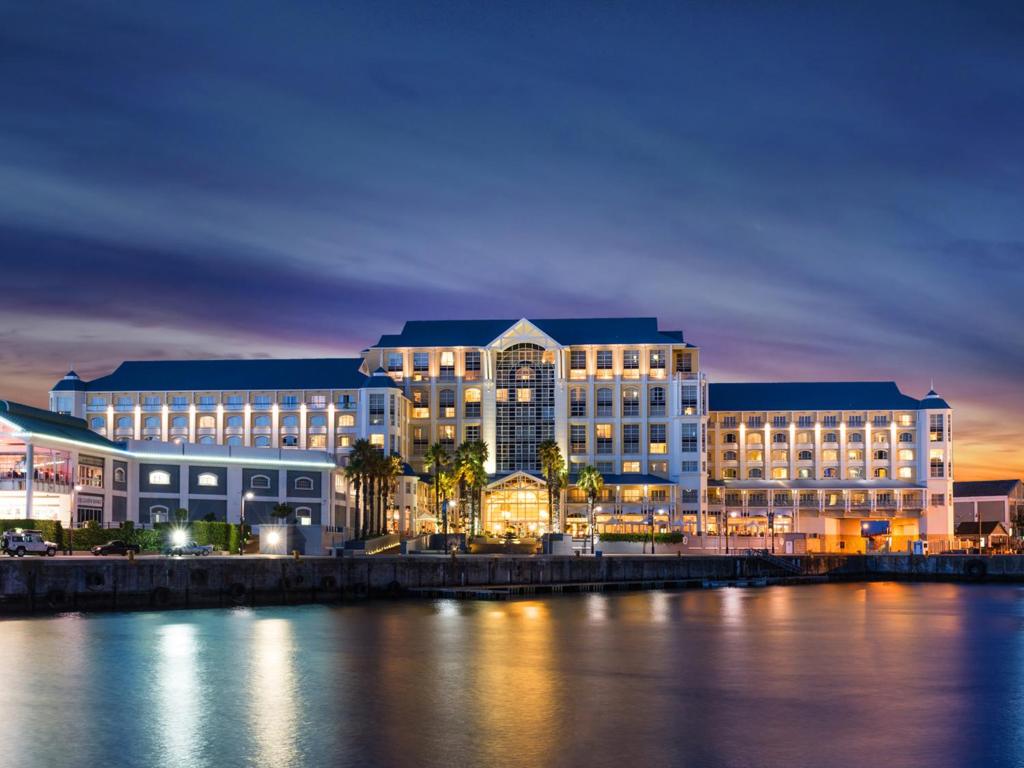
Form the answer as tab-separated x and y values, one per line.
835	675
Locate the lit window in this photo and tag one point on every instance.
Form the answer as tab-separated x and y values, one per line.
207	479
905	473
317	442
524	395
119	475
206	422
630	467
377	440
906	454
159	477
346	420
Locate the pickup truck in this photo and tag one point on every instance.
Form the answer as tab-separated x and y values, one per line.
115	547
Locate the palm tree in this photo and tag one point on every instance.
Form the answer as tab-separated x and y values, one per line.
391	470
477	480
359	460
552	465
590	481
437	460
462	471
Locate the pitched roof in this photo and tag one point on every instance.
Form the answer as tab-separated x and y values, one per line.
810	396
988	528
972	488
50	424
71	382
566	331
379	380
191	375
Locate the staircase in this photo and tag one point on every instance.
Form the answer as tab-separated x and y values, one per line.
778	562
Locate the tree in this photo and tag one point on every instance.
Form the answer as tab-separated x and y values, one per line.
282	512
590	481
477	482
552	465
471	477
181	515
437	459
359	459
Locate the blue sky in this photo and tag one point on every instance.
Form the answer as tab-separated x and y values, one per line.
811	191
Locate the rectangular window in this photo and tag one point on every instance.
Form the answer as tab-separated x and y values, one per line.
656	363
604	363
472	433
656	401
419	440
631	363
690	436
604	401
936	463
577	401
316	442
421	362
377	440
631	438
880	421
935	427
657	441
446	434
689	404
690	466
805	422
395	362
524	395
684	362
577	438
630	467
376	408
447	367
578	363
729	422
605	467
90	471
318	401
287	401
855	421
472	365
830	421
754	422
938	499
603	435
779	422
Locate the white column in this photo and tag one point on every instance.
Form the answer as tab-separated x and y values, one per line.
30	456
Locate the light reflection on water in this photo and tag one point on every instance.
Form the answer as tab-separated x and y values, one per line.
830	675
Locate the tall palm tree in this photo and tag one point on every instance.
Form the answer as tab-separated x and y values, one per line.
462	471
355	472
552	465
437	460
590	481
477	481
391	470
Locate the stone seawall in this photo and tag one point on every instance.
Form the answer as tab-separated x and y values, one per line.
51	585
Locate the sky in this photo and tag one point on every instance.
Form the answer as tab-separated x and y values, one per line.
811	191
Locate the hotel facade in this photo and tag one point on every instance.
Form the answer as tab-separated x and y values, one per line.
816	460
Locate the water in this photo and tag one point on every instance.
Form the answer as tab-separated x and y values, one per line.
828	675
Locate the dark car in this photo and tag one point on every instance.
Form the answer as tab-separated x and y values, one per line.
115	547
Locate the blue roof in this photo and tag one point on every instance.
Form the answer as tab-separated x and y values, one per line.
191	375
70	383
379	380
566	331
985	488
813	396
50	424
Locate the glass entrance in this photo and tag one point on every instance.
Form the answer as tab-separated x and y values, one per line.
517	504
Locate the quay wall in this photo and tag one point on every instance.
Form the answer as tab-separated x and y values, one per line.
57	584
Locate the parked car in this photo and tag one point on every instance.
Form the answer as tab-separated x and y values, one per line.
190	548
19	542
115	547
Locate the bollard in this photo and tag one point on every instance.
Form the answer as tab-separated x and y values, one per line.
131	555
295	554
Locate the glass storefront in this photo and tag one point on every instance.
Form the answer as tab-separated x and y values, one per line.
518	504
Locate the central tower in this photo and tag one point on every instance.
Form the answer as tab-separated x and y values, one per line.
524	405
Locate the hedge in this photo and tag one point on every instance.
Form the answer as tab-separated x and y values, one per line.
222	536
52	530
661	538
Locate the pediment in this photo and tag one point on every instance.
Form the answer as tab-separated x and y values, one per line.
524	332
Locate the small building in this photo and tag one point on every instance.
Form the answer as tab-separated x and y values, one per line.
992	533
1001	500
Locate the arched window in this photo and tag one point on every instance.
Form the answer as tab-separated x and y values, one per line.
233	440
604	401
259	481
177	440
780	437
179	422
730	438
729	456
729	473
755	456
804	437
446	402
856	437
656	401
830	472
261	421
905	473
207	480
303	483
803	473
207	440
97	422
755	473
261	441
290	420
780	473
158	514
289	441
159	477
235	421
119	475
755	438
124	422
304	515
906	437
151	422
206	421
881	472
881	455
630	401
318	420
577	401
805	456
346	420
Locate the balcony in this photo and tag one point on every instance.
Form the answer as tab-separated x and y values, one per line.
124	407
150	407
262	405
179	406
234	406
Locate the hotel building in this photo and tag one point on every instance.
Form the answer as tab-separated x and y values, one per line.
618	393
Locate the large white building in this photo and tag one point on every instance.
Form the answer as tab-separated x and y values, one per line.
617	393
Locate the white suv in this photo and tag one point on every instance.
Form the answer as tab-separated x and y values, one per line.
20	542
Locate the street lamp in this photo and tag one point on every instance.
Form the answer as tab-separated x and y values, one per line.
647	508
771	527
593	526
71	515
247	496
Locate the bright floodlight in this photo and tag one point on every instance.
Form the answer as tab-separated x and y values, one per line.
178	537
249	494
273	538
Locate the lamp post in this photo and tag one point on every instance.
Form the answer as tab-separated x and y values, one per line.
247	496
771	527
71	514
593	525
648	509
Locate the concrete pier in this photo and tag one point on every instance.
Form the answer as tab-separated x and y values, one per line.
57	584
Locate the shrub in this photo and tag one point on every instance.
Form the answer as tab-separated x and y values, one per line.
52	530
661	538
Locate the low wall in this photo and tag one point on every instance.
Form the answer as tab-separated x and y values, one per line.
56	584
